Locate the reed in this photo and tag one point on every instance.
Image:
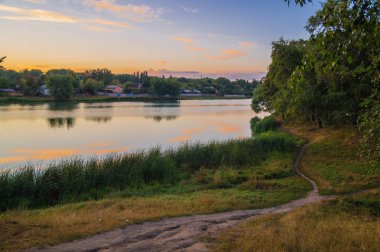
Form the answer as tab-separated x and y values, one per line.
79	179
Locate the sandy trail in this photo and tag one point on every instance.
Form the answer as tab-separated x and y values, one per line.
180	233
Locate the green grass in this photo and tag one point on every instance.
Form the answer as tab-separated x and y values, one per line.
332	160
79	179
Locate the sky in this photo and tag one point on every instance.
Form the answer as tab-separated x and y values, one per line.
190	38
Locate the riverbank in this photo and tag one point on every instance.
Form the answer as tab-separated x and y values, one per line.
89	99
349	223
270	182
243	174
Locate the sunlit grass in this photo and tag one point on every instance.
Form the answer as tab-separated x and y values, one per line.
347	224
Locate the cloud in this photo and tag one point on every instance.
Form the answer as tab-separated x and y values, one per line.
36	15
24	14
190	10
136	13
179	139
227	54
35	1
194	48
182	39
246	44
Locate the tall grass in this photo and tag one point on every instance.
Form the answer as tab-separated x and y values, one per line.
79	179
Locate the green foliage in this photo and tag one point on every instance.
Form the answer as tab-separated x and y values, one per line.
5	83
91	86
1	61
271	94
258	125
162	86
61	87
300	2
369	125
105	75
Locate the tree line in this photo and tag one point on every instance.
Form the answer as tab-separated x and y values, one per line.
332	78
64	83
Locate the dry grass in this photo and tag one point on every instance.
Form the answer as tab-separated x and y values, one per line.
30	228
329	226
332	159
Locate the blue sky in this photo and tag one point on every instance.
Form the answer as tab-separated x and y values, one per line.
182	37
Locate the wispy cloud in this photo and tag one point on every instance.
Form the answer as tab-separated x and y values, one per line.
227	54
132	12
246	44
194	48
24	14
190	10
35	1
182	39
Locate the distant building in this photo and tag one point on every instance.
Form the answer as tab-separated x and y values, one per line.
44	90
113	89
134	86
7	90
189	92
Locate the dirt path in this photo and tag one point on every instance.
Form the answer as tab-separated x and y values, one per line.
180	233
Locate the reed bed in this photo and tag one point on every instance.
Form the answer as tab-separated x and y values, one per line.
81	179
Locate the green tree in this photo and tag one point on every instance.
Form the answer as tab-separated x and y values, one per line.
300	2
61	87
1	61
272	94
5	83
101	74
91	86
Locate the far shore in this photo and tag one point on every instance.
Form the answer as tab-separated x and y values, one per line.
40	99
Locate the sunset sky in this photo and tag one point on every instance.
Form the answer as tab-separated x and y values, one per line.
179	37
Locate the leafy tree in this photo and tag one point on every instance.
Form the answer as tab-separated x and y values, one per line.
273	92
105	75
300	2
369	125
162	86
1	61
5	83
30	81
91	86
61	87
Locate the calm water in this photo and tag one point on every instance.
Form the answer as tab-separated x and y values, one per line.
32	133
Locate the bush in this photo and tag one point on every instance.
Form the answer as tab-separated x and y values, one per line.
262	125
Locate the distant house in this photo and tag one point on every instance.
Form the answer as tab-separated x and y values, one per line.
7	90
134	86
114	89
44	90
189	92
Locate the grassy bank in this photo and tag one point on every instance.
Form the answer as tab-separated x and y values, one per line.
349	223
346	224
332	160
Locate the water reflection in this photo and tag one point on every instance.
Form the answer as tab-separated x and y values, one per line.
158	119
69	106
57	130
60	122
103	119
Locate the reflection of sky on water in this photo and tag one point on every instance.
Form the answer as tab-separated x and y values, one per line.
47	132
